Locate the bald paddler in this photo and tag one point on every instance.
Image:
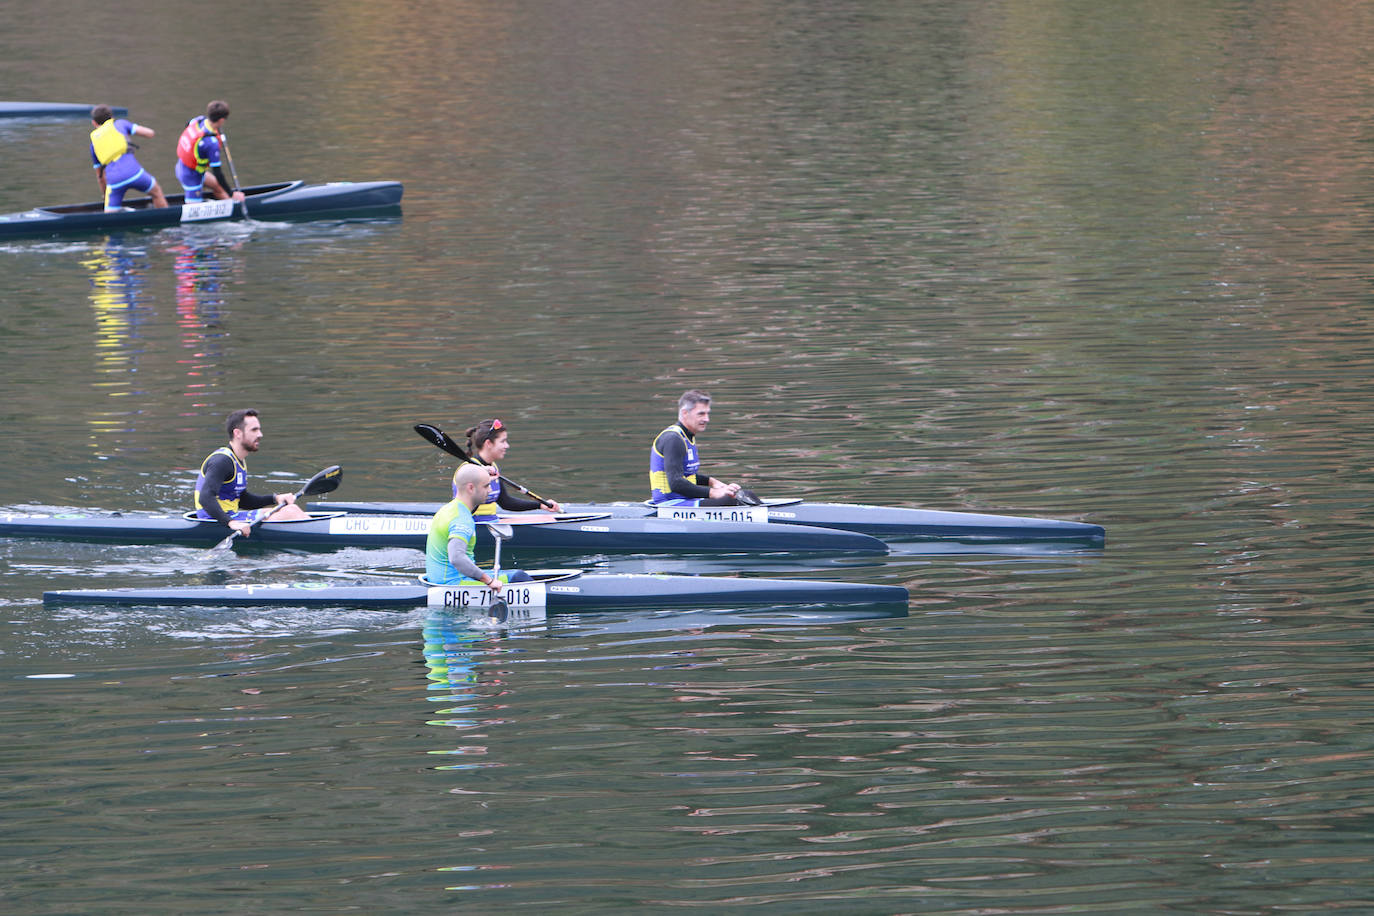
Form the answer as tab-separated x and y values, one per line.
675	477
112	157
451	548
221	491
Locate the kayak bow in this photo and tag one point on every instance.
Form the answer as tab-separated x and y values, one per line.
53	110
889	522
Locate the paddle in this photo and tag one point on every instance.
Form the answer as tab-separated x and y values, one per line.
748	498
498	610
323	482
233	173
435	436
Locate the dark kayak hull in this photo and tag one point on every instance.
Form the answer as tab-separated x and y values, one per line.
286	200
577	592
336	529
52	110
880	521
653	535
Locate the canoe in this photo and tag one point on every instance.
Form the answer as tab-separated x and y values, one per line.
888	522
285	200
52	110
570	532
552	590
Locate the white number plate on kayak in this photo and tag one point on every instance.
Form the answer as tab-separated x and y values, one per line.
519	596
207	209
379	524
716	513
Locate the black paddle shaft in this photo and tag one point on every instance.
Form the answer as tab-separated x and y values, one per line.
436	436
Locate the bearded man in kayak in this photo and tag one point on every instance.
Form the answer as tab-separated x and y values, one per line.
451	548
112	156
221	491
675	477
198	151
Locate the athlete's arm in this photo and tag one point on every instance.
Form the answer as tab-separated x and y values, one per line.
254	501
458	556
512	502
674	451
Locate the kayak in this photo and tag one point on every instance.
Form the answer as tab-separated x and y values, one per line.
556	590
284	200
578	532
880	521
52	110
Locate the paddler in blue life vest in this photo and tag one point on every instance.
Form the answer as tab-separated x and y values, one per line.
199	151
488	443
675	477
451	548
221	491
116	168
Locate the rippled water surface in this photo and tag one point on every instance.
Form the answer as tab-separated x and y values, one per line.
1061	259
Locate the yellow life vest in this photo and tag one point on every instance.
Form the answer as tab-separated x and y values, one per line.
109	144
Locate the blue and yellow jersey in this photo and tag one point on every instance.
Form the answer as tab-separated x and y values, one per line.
229	490
659	489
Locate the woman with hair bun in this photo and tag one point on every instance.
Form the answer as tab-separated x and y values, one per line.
488	443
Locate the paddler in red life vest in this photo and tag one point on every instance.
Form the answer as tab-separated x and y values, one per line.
675	477
116	169
221	491
488	443
199	151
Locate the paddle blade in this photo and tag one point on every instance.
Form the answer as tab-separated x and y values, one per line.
435	436
226	542
325	481
748	498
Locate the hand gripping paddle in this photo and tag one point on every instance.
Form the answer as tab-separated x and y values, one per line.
323	482
435	436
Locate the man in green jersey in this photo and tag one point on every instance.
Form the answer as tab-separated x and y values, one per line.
451	548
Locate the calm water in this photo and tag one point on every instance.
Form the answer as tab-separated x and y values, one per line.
1053	259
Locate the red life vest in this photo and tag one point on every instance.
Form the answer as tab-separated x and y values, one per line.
188	144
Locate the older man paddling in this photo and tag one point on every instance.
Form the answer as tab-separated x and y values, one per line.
221	491
675	477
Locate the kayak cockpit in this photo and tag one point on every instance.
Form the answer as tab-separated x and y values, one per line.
173	200
310	517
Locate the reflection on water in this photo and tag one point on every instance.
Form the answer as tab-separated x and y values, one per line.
451	647
202	270
122	309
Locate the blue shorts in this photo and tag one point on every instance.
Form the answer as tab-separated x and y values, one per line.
192	182
115	188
